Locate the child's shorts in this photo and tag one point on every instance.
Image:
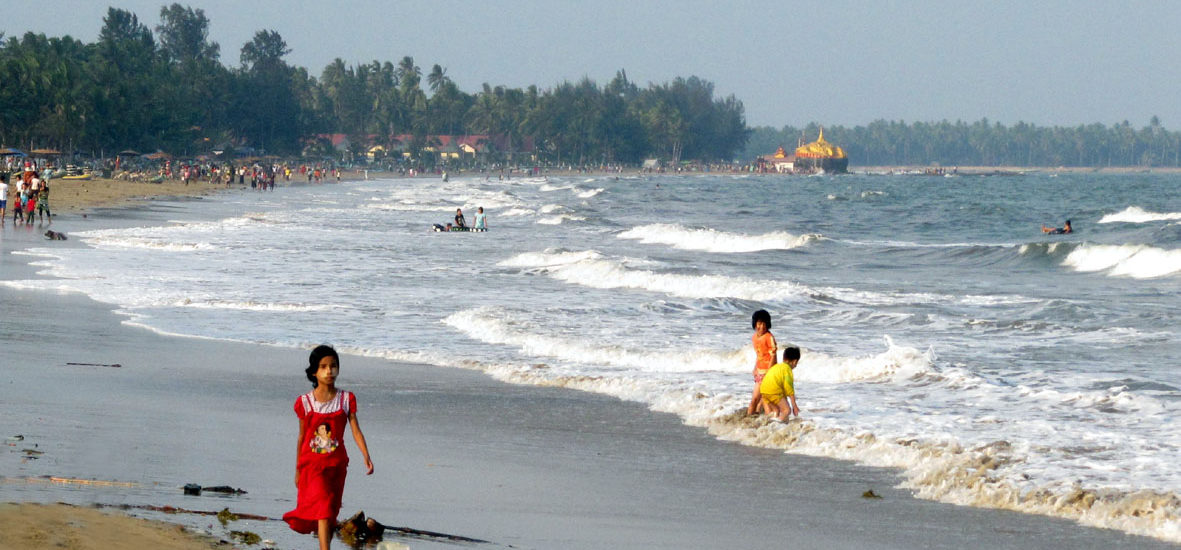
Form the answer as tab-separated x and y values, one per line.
3	204
772	398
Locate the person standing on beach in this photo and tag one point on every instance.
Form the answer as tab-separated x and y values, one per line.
3	196
18	201
43	202
321	460
765	346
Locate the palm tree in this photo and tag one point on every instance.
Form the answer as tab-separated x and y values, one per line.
437	78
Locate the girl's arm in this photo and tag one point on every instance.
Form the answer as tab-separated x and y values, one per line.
360	439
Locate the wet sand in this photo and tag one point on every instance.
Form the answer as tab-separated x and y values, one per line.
455	451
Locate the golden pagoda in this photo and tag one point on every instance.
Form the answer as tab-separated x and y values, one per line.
821	155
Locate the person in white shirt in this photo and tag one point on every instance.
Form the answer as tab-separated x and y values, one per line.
3	196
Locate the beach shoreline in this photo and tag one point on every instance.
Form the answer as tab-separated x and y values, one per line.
520	466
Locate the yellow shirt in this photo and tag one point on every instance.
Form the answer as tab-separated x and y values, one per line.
778	381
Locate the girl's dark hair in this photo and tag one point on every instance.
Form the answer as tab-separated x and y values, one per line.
760	315
318	354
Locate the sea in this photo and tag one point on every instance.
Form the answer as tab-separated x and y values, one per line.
944	335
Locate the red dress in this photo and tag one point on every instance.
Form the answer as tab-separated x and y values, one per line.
323	461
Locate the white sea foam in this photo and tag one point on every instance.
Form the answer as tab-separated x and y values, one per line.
995	473
590	269
257	306
895	363
558	220
1135	214
711	240
155	244
494	326
1137	261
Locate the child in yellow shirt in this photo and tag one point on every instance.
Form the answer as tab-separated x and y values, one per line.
778	384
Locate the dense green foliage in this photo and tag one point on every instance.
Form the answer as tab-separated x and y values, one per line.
883	143
169	90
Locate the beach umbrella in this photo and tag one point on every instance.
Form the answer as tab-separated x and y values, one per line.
8	151
128	153
157	156
45	152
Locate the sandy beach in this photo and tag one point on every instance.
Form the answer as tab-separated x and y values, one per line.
456	453
71	196
37	526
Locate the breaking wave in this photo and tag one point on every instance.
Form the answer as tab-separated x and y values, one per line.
591	269
994	474
1136	261
1135	214
711	240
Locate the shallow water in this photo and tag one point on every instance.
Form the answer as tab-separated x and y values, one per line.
943	333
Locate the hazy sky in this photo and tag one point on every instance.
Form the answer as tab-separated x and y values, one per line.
832	62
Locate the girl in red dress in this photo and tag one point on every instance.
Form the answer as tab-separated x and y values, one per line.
321	461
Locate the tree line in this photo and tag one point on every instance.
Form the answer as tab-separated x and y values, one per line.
168	90
981	143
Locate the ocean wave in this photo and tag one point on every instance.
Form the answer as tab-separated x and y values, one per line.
897	362
591	269
711	240
1135	214
993	474
250	305
559	219
1136	261
494	326
111	242
989	475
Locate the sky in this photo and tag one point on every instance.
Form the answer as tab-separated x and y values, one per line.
1048	62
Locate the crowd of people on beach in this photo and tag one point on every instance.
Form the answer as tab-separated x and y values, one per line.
29	198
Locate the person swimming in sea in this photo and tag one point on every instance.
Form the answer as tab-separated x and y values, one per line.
1058	230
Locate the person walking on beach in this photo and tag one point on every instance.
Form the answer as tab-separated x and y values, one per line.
778	387
764	344
321	460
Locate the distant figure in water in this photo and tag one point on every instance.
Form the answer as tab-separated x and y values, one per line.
1058	230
